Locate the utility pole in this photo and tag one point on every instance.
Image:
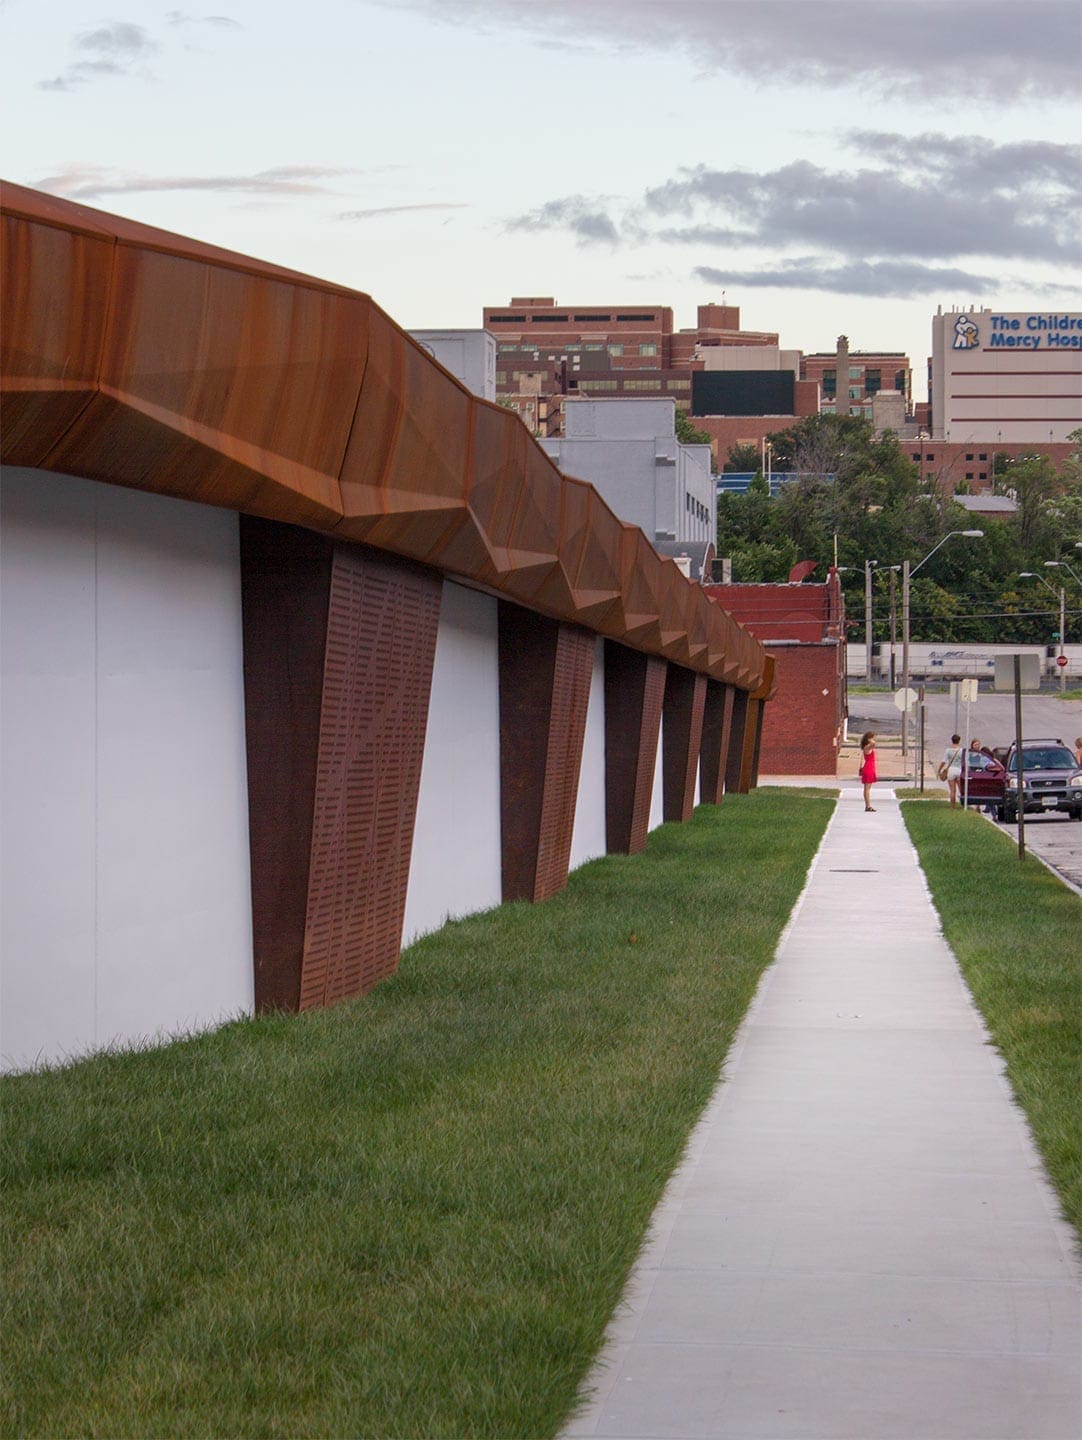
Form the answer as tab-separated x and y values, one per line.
905	654
868	619
893	626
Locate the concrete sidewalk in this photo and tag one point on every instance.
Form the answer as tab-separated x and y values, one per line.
861	1242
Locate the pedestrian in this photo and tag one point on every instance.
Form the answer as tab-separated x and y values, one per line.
950	767
867	766
1078	749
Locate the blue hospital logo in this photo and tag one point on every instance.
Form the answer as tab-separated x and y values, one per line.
966	334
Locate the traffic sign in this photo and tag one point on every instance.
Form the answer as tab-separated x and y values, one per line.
905	699
1061	660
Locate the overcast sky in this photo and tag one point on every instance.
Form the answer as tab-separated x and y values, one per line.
828	165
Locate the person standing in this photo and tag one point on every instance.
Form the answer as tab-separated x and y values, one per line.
867	766
1078	749
951	767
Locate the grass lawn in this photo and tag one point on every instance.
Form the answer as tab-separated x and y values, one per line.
1017	933
408	1216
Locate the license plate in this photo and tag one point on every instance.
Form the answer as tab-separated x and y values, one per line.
1048	799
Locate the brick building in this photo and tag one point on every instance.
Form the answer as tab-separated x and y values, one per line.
547	352
849	380
802	626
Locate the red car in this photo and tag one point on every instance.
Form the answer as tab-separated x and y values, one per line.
984	780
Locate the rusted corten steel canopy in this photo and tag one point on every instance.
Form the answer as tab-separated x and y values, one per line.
140	358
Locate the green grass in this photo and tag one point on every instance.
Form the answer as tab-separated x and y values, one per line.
1015	929
408	1216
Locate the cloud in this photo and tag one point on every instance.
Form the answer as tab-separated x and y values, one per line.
178	17
382	210
91	182
114	49
936	198
926	200
933	50
881	279
581	217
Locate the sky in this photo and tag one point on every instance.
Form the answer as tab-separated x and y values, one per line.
829	166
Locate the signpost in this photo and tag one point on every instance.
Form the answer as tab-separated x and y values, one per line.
904	700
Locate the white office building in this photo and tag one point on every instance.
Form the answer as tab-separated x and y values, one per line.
628	450
1006	378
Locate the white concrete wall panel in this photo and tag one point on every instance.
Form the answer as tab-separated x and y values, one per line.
588	836
657	798
126	882
455	868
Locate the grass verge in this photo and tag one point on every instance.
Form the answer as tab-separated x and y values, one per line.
1015	929
407	1216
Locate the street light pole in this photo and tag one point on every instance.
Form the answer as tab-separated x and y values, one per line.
868	564
906	574
1062	565
905	657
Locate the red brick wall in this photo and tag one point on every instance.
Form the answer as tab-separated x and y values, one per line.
800	730
802	724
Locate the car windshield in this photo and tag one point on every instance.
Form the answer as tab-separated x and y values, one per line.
1047	757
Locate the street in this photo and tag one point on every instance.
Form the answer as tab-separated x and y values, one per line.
1054	838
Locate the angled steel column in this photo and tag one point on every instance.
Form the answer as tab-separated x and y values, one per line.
338	649
634	694
681	739
545	672
734	760
714	750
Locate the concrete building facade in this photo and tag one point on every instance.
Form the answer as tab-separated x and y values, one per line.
305	646
1006	378
628	451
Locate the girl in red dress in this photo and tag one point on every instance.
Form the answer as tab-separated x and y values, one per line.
867	766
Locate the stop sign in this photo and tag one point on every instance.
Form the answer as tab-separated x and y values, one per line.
1061	660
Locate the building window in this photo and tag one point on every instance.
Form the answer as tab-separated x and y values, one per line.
873	381
647	349
899	381
982	455
501	377
615	349
593	319
854	392
678	384
855	372
641	385
969	457
600	384
548	319
916	457
646	319
594	345
969	474
507	319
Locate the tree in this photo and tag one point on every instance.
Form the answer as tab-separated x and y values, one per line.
686	432
742	460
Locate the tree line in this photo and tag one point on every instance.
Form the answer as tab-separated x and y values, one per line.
859	497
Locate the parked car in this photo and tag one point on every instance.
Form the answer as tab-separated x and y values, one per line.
984	781
1051	780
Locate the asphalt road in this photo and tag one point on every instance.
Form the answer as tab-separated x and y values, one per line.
1055	838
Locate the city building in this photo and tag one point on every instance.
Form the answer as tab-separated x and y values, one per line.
745	393
803	626
628	451
470	356
547	352
850	380
306	646
1005	379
